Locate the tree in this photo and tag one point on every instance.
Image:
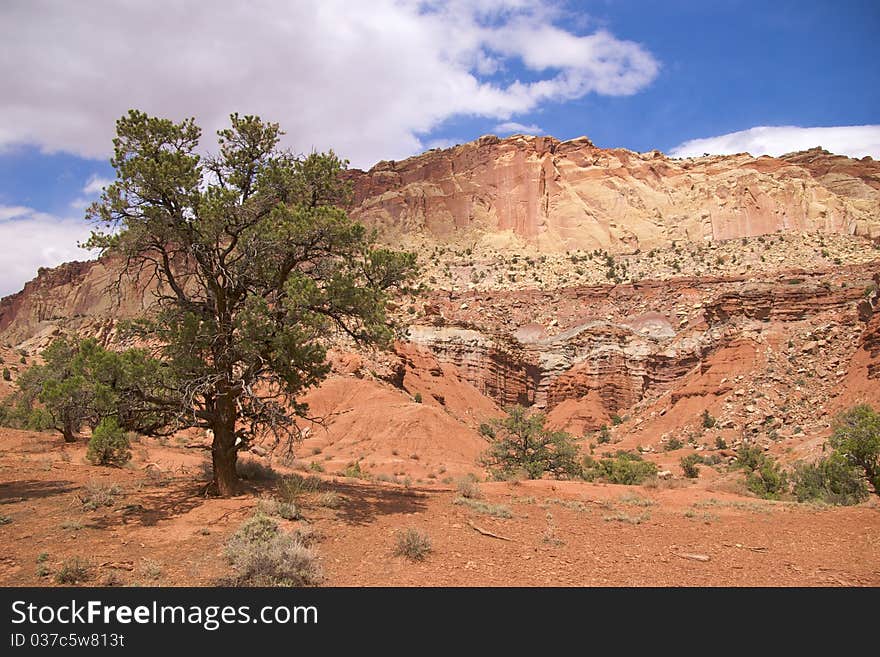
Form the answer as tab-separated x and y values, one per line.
81	382
856	437
254	266
519	442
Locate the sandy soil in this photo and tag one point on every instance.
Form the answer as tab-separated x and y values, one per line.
161	530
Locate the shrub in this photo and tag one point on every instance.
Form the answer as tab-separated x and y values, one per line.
253	470
353	471
690	465
616	420
494	510
672	444
412	544
95	495
7	375
295	486
856	438
604	435
108	444
520	442
720	443
749	457
330	500
286	510
262	556
281	561
708	420
767	480
417	398
622	468
831	480
73	571
256	529
468	487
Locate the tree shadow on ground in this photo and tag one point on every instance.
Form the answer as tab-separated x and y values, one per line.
151	507
362	503
32	489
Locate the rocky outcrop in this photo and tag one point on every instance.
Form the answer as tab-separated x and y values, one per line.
788	300
572	195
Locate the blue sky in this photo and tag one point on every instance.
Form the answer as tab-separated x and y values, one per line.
388	79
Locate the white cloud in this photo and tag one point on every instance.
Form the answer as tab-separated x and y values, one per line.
32	240
95	185
854	141
510	127
13	211
368	79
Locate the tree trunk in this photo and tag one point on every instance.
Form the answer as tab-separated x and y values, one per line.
223	450
68	430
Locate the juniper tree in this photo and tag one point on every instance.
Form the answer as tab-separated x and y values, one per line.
254	264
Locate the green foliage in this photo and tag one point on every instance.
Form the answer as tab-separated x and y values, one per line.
832	480
749	457
616	420
708	420
7	375
81	383
621	468
256	262
73	571
767	480
856	437
690	465
519	442
417	398
672	444
263	556
720	443
108	444
604	435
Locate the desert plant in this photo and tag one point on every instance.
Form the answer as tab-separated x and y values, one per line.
253	470
520	442
330	500
708	420
95	495
7	375
604	435
856	437
412	544
832	480
623	467
672	444
494	510
273	507
768	480
109	444
468	487
193	223
262	556
73	571
690	465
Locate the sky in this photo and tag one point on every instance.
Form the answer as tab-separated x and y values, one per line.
387	79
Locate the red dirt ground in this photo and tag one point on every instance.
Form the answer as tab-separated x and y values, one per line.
160	529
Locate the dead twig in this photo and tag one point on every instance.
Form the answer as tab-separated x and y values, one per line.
488	533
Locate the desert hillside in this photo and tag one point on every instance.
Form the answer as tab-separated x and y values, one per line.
628	296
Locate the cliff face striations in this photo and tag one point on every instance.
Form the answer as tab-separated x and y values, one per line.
571	195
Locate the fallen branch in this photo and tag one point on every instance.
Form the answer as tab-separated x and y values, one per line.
488	533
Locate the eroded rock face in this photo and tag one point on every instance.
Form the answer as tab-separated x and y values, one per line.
609	365
572	195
